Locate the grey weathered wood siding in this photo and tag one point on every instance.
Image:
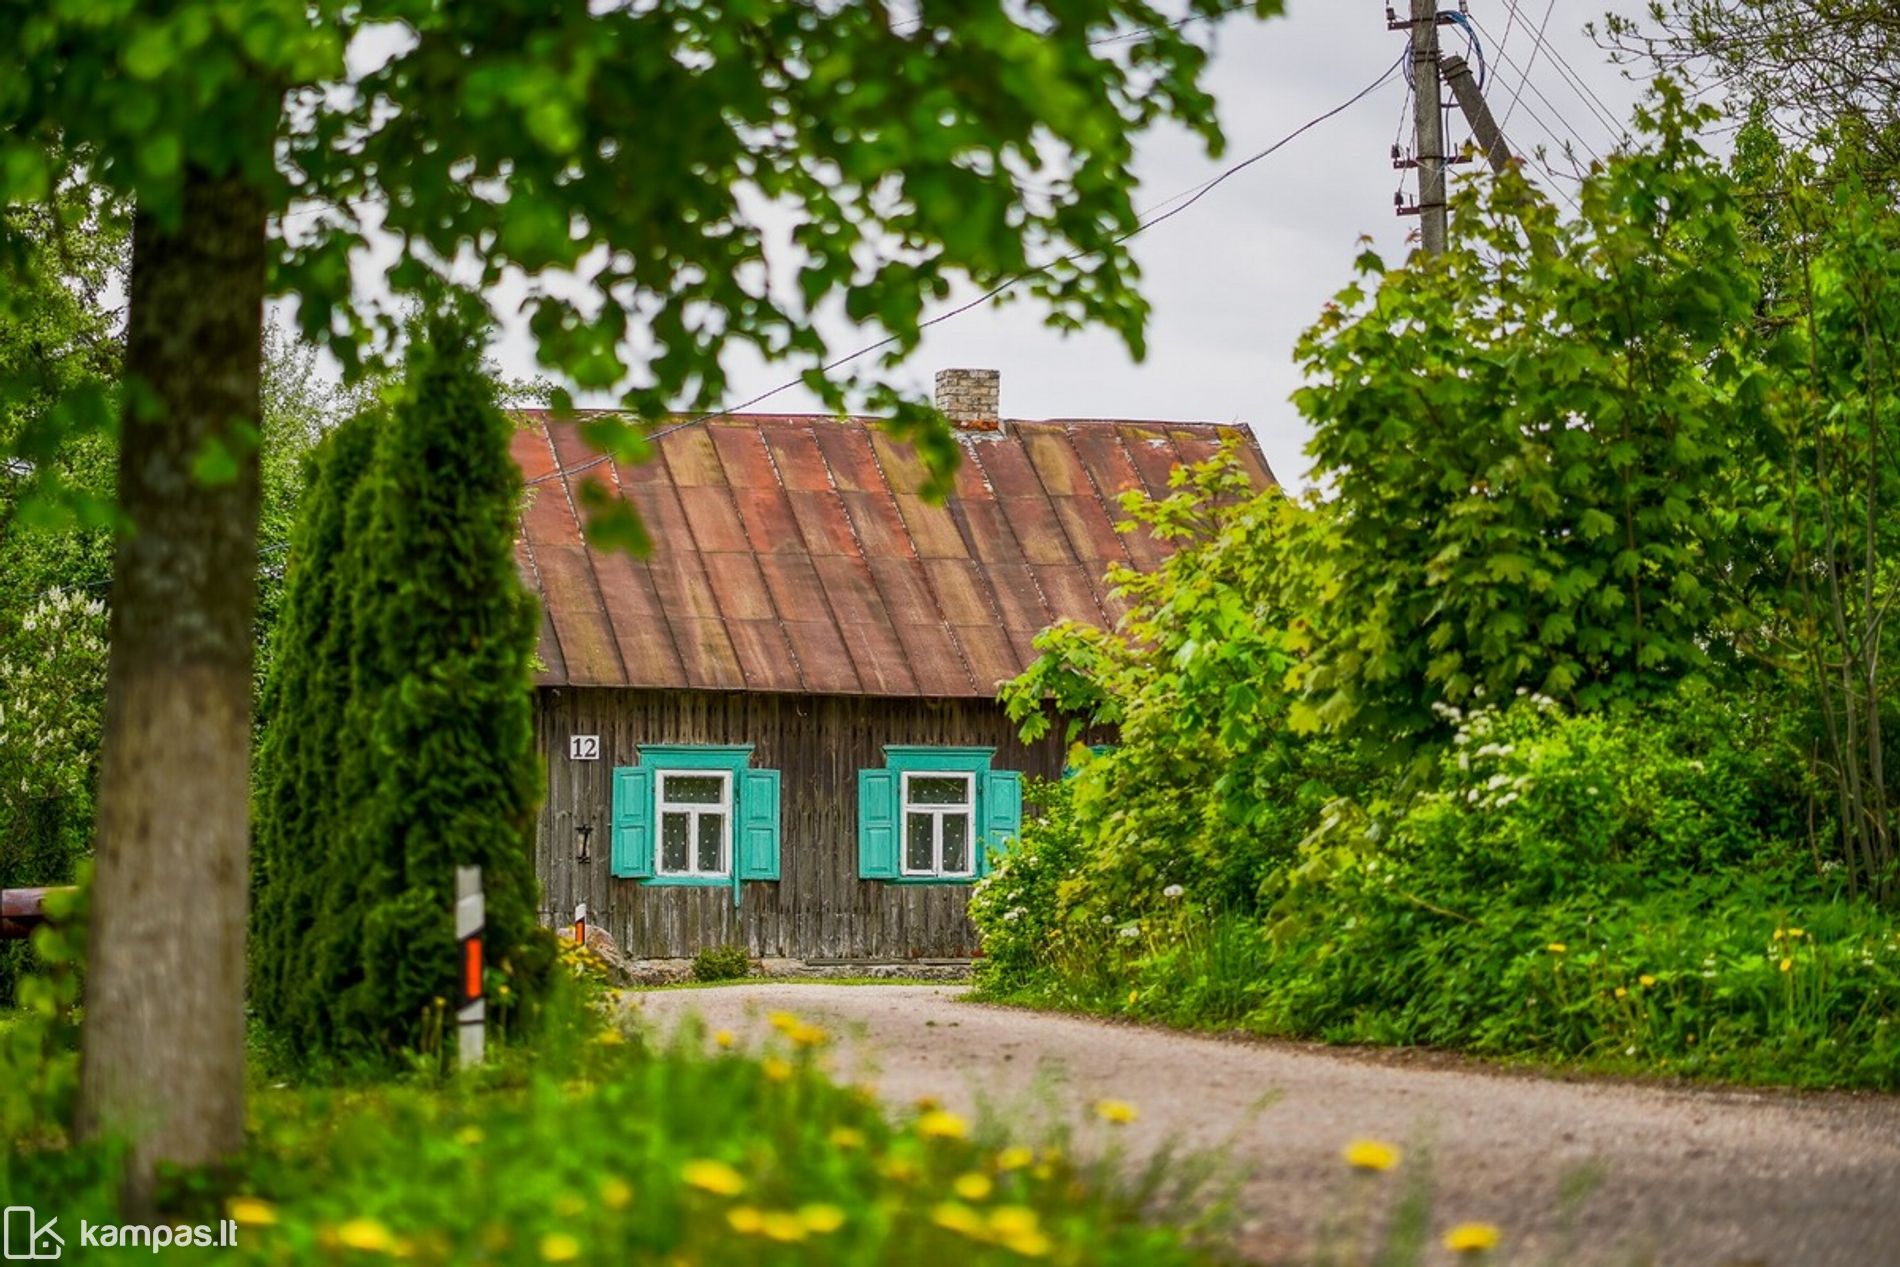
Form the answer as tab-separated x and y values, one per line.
819	908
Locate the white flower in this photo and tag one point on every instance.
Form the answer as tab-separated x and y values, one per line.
1172	891
1130	932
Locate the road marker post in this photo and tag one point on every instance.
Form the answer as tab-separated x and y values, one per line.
471	1013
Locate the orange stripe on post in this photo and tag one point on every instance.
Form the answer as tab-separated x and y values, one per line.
471	969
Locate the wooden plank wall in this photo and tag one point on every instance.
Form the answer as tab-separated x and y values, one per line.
818	909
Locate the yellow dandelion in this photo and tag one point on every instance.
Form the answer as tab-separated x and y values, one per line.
1646	980
1116	1112
1787	965
783	1227
1132	996
616	1193
1029	1244
1472	1238
1013	1220
899	1169
938	1124
1621	992
847	1137
1371	1154
745	1220
961	1219
1795	932
783	1022
715	1177
1015	1157
775	1069
1556	948
723	1038
973	1187
559	1247
610	1037
803	1035
251	1212
367	1235
821	1218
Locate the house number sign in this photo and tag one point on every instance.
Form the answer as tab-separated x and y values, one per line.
583	747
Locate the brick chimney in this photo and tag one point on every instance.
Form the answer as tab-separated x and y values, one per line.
970	398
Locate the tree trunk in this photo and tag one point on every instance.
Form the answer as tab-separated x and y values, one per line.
163	1043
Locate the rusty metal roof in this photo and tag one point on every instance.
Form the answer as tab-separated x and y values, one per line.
794	552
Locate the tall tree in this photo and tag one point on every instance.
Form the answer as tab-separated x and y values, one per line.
633	143
307	698
1823	70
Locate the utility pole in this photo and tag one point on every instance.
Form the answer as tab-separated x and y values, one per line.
1428	126
1485	128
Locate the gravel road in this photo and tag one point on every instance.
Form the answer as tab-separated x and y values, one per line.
1687	1176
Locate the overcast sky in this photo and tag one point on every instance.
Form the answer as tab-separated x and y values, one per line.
1234	279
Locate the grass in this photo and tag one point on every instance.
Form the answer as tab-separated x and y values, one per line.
602	1144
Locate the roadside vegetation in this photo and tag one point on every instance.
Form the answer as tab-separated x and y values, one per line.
1555	729
595	1142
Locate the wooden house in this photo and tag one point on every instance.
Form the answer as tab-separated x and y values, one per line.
779	730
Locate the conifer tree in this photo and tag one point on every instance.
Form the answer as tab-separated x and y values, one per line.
305	702
444	640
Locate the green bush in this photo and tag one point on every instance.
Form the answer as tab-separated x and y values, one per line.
721	963
1632	891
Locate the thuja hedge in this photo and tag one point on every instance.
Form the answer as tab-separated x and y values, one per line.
398	735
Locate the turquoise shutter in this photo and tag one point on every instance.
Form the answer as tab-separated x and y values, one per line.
758	812
1002	813
877	825
633	822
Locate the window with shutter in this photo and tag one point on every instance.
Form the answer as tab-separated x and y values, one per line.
933	815
696	814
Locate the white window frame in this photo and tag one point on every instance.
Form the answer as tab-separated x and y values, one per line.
693	810
937	814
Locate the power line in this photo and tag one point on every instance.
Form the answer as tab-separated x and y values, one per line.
1565	71
1579	85
1192	196
1510	22
1537	43
1572	133
1124	37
